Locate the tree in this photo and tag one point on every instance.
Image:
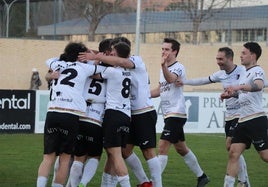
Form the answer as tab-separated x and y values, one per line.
94	11
198	11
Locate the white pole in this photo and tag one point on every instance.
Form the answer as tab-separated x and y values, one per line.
138	16
8	6
27	15
55	18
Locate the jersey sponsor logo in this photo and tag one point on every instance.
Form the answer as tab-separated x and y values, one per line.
259	74
126	73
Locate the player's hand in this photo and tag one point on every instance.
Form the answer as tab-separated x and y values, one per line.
85	56
224	95
164	59
179	82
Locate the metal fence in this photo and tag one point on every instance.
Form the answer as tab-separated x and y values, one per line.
146	21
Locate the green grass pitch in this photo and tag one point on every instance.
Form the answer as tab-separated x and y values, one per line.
21	154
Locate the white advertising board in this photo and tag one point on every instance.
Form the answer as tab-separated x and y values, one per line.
205	112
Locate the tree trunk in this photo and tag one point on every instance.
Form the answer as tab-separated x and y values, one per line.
196	24
92	30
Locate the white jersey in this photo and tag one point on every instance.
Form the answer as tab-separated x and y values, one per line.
67	91
251	102
94	114
95	89
118	89
140	88
227	80
95	95
172	98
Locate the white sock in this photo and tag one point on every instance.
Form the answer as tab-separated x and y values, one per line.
155	171
76	173
124	181
135	165
242	172
89	170
229	181
108	180
191	161
56	185
56	167
41	181
68	184
163	159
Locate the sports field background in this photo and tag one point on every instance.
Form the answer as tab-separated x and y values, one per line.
19	56
21	155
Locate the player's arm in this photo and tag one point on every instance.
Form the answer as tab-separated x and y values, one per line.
233	91
197	81
155	92
50	75
111	60
193	82
255	86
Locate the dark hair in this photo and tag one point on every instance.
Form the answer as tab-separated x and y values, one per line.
72	51
105	45
122	49
175	45
255	48
229	53
121	39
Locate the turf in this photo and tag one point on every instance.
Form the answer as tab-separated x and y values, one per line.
21	154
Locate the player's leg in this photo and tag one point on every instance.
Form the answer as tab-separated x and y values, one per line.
191	161
109	178
259	132
146	139
166	140
56	167
44	169
77	170
115	156
163	148
242	176
89	171
50	148
113	140
188	156
93	149
69	126
235	151
134	163
154	166
63	170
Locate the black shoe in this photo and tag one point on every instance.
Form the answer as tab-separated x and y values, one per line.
202	181
242	184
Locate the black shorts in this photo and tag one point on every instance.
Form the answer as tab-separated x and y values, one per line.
173	130
89	140
230	127
60	132
115	128
142	130
252	131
